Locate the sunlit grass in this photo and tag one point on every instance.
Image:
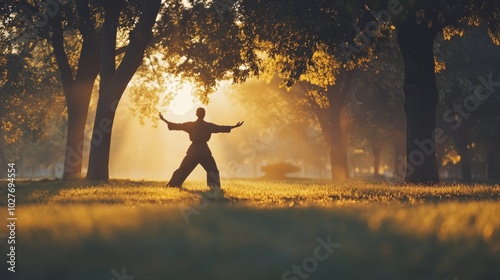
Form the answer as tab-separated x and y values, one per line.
82	230
251	193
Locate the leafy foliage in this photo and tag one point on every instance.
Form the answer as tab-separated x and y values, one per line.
194	45
30	95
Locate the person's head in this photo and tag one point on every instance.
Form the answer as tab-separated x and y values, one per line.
200	113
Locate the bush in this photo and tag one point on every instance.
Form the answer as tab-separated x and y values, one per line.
279	170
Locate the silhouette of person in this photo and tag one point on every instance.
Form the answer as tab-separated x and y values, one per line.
200	132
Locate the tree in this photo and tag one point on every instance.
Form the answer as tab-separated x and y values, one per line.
29	97
324	88
376	107
79	25
417	30
272	113
493	171
194	43
468	110
201	44
114	79
297	33
303	44
57	22
335	96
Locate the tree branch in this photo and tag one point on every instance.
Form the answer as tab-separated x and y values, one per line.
60	53
139	40
153	41
88	63
121	50
112	10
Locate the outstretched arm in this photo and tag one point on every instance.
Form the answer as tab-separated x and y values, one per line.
224	128
163	119
237	125
171	125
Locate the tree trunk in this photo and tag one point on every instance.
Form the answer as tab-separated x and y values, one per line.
376	158
338	153
100	145
114	80
98	168
493	170
399	154
461	140
464	164
77	90
77	103
416	42
322	114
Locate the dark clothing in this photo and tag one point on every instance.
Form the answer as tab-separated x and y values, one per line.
200	132
187	166
199	152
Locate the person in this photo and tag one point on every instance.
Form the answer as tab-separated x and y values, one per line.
198	152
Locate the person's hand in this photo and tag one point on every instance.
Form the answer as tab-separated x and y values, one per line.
161	117
238	124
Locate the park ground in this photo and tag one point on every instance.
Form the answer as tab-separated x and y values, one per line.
255	230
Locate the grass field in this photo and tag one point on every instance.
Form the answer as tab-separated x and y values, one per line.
256	230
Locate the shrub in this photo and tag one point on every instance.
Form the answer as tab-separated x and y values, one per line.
279	170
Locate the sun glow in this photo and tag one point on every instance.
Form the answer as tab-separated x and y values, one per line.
183	99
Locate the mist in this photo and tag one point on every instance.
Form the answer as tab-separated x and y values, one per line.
152	152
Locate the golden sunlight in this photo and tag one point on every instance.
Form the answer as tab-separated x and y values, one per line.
183	99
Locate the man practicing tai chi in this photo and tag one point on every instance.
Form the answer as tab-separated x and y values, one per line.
198	153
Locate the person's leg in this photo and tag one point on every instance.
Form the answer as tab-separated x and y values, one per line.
210	166
180	175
